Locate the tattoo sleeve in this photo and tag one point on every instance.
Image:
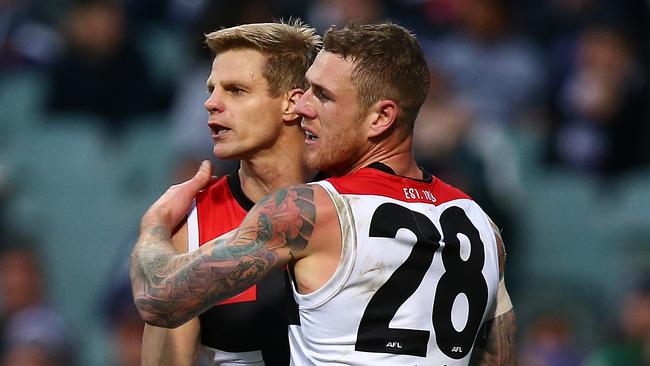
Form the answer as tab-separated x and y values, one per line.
495	344
170	288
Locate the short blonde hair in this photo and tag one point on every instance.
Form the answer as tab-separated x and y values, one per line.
290	48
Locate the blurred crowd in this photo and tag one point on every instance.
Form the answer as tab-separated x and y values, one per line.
571	75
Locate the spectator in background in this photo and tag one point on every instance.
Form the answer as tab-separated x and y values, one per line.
31	332
496	76
26	39
324	13
101	72
444	126
555	23
4	197
632	348
597	106
123	322
35	337
550	341
495	72
552	21
430	18
441	134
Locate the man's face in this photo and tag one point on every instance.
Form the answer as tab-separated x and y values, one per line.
243	117
331	115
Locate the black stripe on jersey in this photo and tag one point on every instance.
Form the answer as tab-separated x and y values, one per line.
235	187
234	183
321	176
253	325
382	167
427	177
293	316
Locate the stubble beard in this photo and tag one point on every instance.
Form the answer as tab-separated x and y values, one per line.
335	158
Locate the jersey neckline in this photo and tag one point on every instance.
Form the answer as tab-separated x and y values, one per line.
234	183
427	177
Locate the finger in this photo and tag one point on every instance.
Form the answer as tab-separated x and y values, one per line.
205	169
202	176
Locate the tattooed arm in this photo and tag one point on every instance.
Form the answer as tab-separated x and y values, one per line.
171	288
495	344
172	347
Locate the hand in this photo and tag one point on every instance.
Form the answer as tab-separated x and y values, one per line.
170	209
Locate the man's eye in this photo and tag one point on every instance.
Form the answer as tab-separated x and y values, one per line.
320	95
236	90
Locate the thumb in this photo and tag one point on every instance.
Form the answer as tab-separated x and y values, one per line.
202	176
174	204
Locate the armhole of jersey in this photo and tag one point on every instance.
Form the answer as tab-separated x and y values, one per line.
348	253
193	228
491	239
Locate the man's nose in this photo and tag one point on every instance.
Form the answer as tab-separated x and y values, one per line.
304	107
214	103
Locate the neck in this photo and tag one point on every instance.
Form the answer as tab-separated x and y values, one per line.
271	170
397	155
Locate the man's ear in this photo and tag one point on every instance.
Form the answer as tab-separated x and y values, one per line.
289	103
384	117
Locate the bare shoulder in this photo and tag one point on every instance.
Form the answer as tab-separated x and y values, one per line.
301	214
327	222
317	262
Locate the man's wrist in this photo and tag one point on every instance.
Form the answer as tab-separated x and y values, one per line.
153	228
153	219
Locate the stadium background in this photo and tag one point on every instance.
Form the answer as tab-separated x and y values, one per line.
541	111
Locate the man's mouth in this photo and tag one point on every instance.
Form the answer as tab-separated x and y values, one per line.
219	130
311	136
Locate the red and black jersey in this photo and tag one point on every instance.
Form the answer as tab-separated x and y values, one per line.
254	320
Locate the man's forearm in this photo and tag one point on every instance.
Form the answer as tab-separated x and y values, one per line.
171	347
170	288
154	342
496	346
153	262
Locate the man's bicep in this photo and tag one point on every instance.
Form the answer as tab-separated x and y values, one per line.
281	223
495	343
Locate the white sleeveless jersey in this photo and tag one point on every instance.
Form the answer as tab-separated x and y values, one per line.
418	276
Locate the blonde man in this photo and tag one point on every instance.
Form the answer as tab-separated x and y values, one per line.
257	77
390	265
